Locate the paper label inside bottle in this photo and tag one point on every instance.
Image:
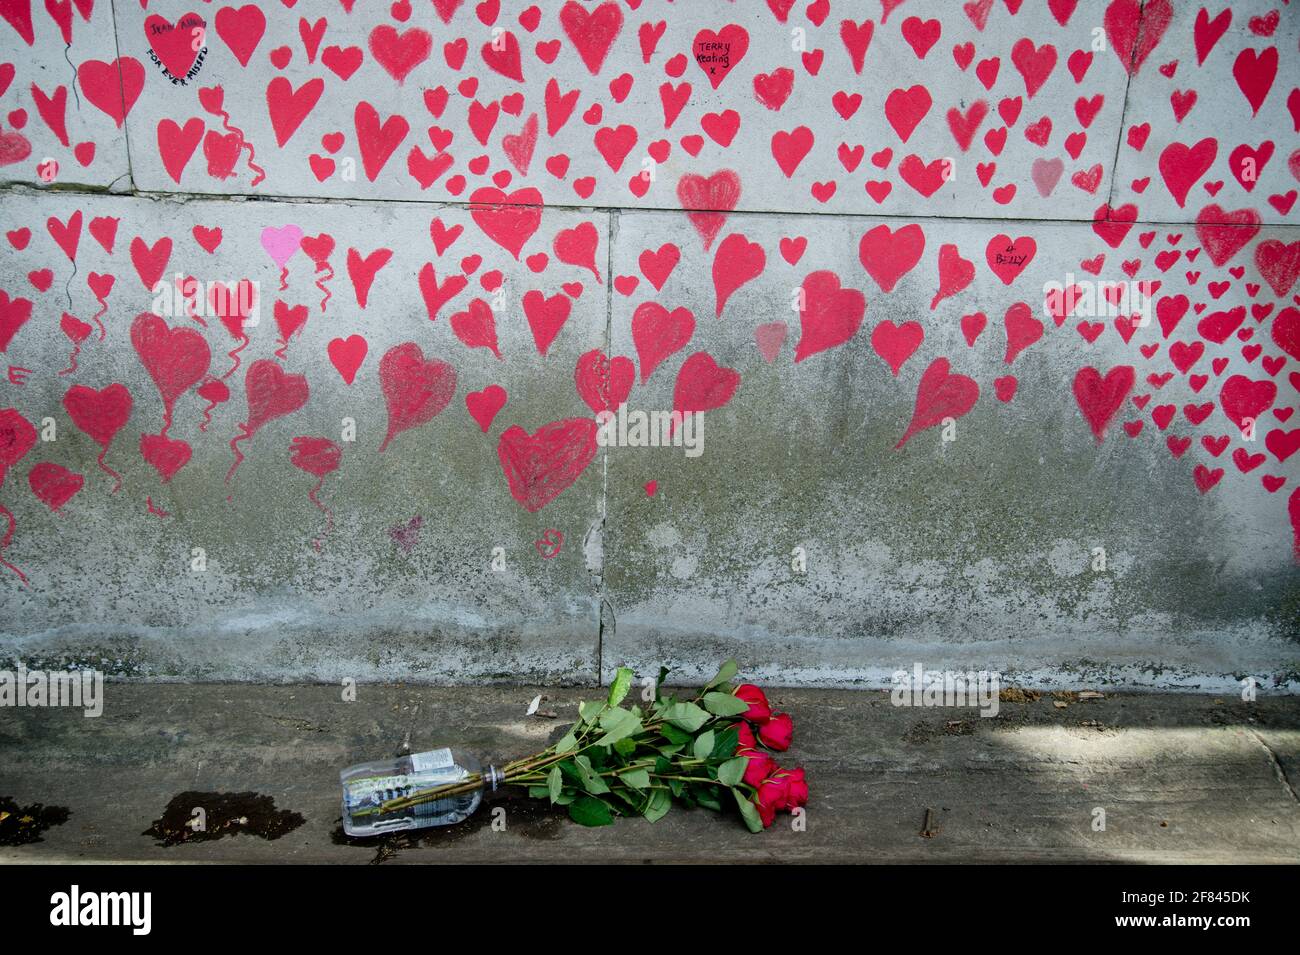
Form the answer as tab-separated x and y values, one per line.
432	761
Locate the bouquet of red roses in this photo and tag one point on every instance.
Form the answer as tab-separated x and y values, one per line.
622	758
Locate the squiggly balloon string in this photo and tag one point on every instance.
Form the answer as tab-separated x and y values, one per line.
8	536
154	508
234	446
72	359
320	282
329	518
244	144
103	310
207	416
284	277
117	478
233	355
284	347
167	418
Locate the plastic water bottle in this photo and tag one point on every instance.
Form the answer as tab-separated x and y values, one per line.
367	787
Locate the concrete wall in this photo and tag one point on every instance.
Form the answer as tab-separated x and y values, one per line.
1079	499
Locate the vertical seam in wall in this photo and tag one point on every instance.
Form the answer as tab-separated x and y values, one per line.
1123	113
611	235
126	135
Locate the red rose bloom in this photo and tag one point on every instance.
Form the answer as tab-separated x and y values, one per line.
759	766
796	788
777	732
759	711
765	812
775	791
745	737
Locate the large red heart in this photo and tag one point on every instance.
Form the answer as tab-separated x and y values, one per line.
477	326
100	414
484	405
546	316
175	358
175	46
241	28
1101	398
830	315
166	455
888	256
1223	233
176	144
1279	264
1286	333
540	466
1134	29
658	333
592	33
702	385
1009	258
17	436
737	261
289	107
112	87
895	344
346	355
271	393
415	389
1244	400
1181	166
603	383
14	314
501	54
54	484
708	201
399	53
577	246
718	53
940	395
508	220
377	141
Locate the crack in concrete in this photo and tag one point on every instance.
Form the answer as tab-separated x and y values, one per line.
1278	769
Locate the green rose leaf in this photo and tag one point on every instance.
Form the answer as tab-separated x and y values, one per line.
724	704
686	716
618	724
587	811
637	778
732	771
724	674
622	683
726	743
590	780
658	805
704	745
553	783
590	710
675	736
747	811
567	742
